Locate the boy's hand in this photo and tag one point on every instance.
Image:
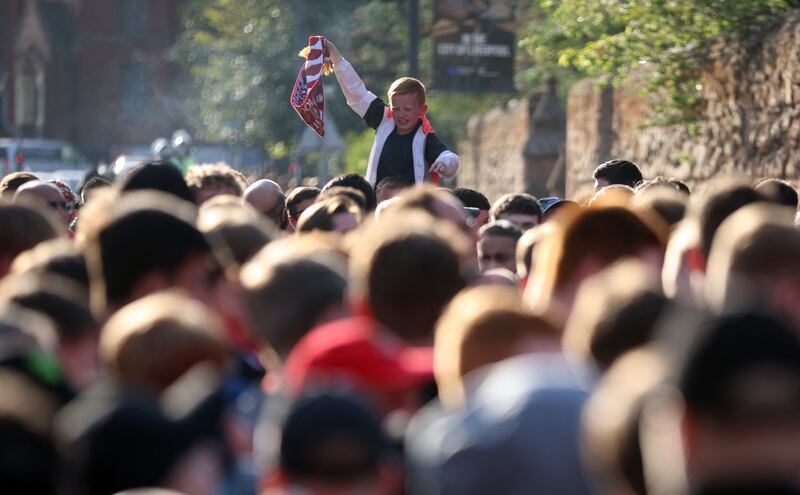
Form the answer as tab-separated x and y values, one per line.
444	169
335	55
446	164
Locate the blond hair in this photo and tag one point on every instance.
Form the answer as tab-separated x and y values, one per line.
408	86
151	342
480	326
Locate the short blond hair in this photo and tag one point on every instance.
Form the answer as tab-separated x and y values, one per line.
154	340
408	86
481	326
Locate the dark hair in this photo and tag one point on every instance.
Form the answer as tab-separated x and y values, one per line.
410	279
157	233
662	181
73	320
314	430
724	353
159	176
356	182
13	181
778	191
721	201
668	203
95	182
319	216
391	182
501	228
23	226
286	299
472	198
350	192
297	196
516	203
619	172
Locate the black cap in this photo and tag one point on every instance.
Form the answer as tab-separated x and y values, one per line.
744	369
330	437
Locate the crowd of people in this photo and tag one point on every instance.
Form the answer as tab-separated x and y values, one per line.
196	334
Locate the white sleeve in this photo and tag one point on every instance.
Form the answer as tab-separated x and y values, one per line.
450	161
357	95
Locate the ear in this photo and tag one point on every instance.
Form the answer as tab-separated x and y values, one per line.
424	109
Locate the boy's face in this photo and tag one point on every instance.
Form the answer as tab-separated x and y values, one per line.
407	110
497	251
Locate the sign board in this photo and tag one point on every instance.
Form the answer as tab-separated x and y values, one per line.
473	45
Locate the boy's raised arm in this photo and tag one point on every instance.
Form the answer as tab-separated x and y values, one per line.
357	95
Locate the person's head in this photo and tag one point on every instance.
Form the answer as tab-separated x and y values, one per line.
497	246
58	257
583	244
358	183
722	198
613	195
29	460
519	208
668	202
332	444
45	193
298	200
755	260
437	203
407	102
209	180
349	192
159	176
389	187
23	227
481	326
778	191
660	182
740	414
615	311
338	214
526	247
92	185
148	243
153	341
406	272
67	306
267	197
552	205
235	231
612	448
474	199
616	172
12	182
287	298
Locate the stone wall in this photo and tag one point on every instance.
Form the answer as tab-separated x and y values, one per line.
515	148
750	125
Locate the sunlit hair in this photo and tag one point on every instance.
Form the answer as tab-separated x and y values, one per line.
215	175
604	234
153	341
754	250
408	86
481	325
319	216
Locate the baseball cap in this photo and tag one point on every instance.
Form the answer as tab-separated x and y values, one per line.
353	350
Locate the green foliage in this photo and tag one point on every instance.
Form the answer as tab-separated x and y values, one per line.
242	59
356	154
662	40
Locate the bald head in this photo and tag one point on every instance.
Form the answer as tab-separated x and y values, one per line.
43	192
267	197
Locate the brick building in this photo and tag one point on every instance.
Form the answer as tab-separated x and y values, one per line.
93	72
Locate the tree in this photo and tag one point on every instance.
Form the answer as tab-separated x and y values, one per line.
663	39
241	55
